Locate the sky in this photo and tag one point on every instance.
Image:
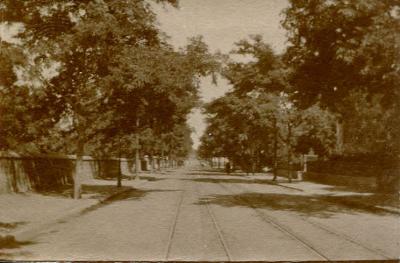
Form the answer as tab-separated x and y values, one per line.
221	23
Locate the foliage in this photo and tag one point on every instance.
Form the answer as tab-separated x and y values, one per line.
115	77
339	46
345	54
26	114
257	124
259	69
370	128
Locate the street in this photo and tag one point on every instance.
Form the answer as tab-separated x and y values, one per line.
198	214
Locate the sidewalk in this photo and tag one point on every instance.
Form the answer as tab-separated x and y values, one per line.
25	215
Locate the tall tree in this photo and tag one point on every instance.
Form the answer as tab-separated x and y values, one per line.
85	40
257	123
337	47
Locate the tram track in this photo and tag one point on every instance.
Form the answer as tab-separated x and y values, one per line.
279	226
343	236
216	226
301	237
213	220
173	225
346	237
273	221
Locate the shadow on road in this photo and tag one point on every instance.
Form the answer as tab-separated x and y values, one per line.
9	256
231	180
87	191
8	243
315	205
214	173
10	225
128	195
151	178
135	194
126	177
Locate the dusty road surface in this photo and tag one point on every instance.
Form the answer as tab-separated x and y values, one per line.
196	214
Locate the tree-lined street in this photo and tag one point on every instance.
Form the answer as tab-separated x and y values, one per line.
199	214
100	158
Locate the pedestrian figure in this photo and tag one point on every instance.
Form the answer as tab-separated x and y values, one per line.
228	168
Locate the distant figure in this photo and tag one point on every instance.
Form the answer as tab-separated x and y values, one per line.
228	168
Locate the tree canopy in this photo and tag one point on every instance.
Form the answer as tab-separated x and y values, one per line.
339	46
257	123
112	67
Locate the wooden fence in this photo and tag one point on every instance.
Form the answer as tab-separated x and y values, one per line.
45	172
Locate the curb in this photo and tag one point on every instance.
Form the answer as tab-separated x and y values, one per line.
30	233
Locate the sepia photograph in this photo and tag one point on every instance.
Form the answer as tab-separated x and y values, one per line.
200	130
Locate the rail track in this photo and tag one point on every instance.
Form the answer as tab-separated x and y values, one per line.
173	225
213	219
266	217
216	226
263	215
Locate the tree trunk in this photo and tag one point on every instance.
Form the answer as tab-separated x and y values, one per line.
119	176
137	153
289	154
275	168
78	165
170	162
339	136
152	163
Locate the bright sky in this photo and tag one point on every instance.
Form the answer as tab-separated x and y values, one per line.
221	23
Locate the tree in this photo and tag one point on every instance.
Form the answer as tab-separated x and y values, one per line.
23	127
85	39
154	91
370	127
260	69
338	47
258	123
117	84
